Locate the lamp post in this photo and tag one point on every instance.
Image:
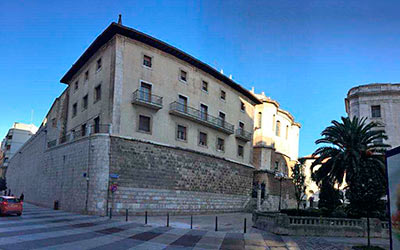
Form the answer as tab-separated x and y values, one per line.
280	176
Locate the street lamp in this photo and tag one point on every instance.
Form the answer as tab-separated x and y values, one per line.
280	176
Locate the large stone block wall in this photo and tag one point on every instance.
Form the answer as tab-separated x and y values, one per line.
160	178
45	175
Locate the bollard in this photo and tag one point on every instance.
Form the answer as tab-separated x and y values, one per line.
167	219
145	217
110	213
216	223
126	215
244	229
191	221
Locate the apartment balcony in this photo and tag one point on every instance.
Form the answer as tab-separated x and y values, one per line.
196	115
147	99
243	134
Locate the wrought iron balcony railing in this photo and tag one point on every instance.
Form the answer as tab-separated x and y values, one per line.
243	134
147	99
76	134
201	117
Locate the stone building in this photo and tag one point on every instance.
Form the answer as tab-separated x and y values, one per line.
275	147
163	130
16	136
378	102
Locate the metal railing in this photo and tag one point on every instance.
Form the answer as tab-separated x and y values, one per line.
73	135
322	221
243	134
52	143
203	117
146	97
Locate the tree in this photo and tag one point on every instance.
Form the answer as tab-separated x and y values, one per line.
365	195
329	197
3	184
299	178
353	152
348	144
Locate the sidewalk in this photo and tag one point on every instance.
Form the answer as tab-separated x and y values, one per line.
227	222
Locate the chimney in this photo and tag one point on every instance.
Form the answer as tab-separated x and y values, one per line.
252	90
222	71
120	19
230	77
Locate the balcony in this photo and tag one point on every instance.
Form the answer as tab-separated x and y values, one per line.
243	134
147	99
201	117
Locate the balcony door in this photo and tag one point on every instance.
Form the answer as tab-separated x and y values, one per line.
221	119
145	92
203	112
183	101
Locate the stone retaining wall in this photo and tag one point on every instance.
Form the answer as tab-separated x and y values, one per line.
279	223
165	179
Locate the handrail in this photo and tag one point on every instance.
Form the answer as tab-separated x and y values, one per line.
201	116
147	97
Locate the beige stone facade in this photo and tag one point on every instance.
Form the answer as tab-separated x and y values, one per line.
276	137
378	102
178	132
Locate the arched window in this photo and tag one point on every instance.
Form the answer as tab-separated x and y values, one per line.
278	128
287	132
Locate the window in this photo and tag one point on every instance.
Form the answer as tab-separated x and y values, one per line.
203	112
87	75
98	64
183	75
145	92
278	128
97	125
242	107
83	129
220	144
181	133
9	137
223	95
287	132
202	139
240	150
221	119
76	85
97	93
147	61
376	111
259	119
204	86
241	126
182	100
8	147
74	109
144	123
54	122
276	166
273	122
85	102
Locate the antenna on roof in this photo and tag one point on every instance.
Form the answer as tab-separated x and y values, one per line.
120	19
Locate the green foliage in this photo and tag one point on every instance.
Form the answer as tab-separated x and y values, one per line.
299	178
329	197
3	184
346	145
366	192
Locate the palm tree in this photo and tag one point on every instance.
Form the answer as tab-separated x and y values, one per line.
353	152
350	145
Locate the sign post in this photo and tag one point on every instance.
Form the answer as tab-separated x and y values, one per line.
393	176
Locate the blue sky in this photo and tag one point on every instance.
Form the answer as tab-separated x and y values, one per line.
304	54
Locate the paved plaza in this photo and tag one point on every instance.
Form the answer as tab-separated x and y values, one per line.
43	228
